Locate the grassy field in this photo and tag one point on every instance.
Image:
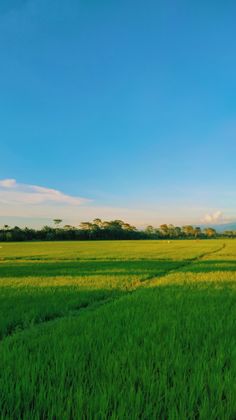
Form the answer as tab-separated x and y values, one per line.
118	330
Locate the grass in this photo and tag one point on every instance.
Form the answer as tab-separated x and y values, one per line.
121	330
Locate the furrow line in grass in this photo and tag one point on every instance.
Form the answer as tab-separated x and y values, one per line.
183	265
207	254
20	328
164	273
107	300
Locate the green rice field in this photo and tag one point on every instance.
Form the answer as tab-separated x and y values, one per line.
118	330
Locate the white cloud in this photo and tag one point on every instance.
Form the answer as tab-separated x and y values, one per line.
12	193
216	217
34	202
8	183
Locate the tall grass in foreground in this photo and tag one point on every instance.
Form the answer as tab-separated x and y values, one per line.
159	353
162	344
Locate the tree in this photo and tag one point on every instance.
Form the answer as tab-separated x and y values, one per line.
115	225
171	231
150	230
164	230
188	230
86	226
98	222
210	232
103	230
128	227
57	221
9	236
197	232
229	233
178	232
68	227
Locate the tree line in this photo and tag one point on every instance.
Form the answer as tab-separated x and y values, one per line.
103	230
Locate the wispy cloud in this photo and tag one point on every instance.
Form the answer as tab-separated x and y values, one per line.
12	193
41	204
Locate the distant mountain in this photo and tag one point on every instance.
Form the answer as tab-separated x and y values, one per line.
223	227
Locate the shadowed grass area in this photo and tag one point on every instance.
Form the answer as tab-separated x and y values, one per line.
205	266
26	308
142	268
87	268
28	301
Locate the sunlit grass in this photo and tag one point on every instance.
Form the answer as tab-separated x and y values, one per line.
125	250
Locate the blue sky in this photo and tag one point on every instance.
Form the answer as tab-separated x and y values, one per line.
117	109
